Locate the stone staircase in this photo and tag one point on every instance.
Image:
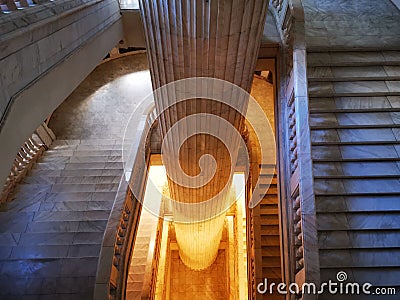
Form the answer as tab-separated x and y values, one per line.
270	239
139	273
355	131
52	230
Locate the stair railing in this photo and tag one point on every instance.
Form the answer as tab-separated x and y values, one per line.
251	245
156	258
8	6
298	219
120	234
26	157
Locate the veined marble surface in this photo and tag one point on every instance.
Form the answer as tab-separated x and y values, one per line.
352	24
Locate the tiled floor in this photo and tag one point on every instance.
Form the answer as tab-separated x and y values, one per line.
206	284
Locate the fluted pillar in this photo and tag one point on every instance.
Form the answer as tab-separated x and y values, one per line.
201	38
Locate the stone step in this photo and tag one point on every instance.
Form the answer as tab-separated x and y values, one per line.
355	103
71	221
60	238
272	190
359	152
271	261
328	204
26	205
84	187
65	267
269	230
116	147
355	168
362	143
30	189
62	287
91	142
49	251
270	240
356	113
379	194
358	221
66	226
358	239
271	185
90	215
377	277
80	159
268	206
354	88
269	220
269	272
89	180
354	177
360	258
342	119
356	186
73	173
362	128
358	160
364	73
80	196
78	165
134	289
266	178
93	152
348	59
270	251
267	210
42	179
75	205
269	199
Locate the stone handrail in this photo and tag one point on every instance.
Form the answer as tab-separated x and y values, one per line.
29	153
156	259
7	6
124	218
300	252
250	238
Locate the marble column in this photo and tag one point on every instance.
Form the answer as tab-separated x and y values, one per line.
208	38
